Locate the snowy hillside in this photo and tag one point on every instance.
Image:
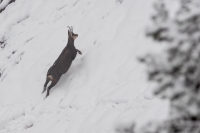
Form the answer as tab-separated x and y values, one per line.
105	86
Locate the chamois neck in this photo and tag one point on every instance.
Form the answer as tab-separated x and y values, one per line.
70	41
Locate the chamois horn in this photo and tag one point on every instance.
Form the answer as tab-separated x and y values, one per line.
72	28
69	29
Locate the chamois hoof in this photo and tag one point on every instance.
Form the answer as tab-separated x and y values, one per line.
47	95
80	52
43	91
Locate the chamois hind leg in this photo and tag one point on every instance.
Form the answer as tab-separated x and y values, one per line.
45	85
53	83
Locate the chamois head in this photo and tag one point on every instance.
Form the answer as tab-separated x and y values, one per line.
71	34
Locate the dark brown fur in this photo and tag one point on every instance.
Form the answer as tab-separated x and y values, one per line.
63	62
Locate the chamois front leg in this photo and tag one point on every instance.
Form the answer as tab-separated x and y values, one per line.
79	51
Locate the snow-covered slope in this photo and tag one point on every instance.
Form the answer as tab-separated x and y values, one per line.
104	87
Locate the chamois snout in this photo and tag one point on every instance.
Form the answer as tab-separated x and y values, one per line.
74	36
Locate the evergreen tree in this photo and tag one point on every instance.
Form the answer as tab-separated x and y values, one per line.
177	70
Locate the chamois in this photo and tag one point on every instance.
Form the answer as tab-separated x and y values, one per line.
63	62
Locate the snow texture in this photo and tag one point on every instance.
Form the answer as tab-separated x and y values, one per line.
105	87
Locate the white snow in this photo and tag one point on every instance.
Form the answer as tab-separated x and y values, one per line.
104	86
